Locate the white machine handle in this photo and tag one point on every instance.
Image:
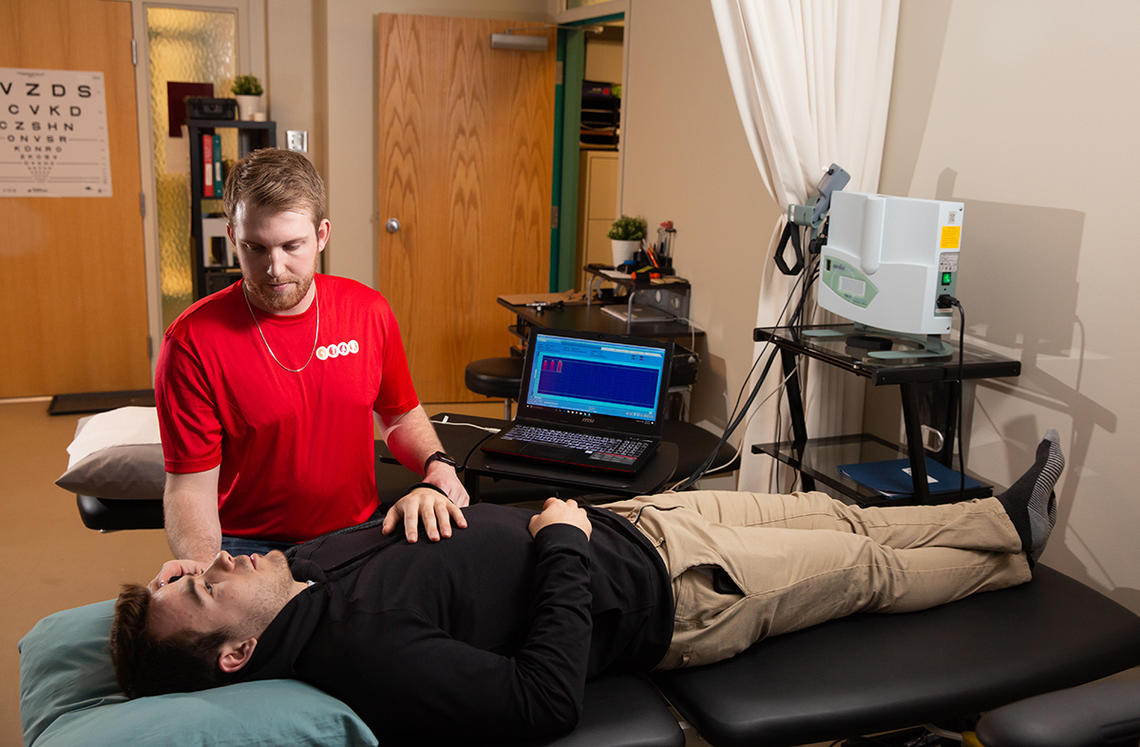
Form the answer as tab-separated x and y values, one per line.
874	211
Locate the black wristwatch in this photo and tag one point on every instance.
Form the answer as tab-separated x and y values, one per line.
440	456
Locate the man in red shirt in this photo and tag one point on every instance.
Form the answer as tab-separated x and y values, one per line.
267	391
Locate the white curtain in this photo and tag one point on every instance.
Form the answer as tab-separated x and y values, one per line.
812	81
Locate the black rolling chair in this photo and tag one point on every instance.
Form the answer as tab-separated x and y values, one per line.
496	377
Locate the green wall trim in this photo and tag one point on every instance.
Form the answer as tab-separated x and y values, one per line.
573	71
556	171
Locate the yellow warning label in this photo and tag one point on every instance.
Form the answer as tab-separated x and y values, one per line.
951	237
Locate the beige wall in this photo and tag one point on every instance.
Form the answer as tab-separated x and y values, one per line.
291	79
686	159
1026	111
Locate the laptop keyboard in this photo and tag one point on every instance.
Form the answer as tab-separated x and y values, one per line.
601	448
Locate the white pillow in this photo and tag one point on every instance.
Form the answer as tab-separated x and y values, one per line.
117	455
121	427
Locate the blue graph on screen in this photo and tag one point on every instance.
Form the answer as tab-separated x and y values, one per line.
596	377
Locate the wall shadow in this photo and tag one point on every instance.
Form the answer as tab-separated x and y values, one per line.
709	391
1017	282
1018	272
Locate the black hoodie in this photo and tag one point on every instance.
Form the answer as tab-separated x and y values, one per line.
487	635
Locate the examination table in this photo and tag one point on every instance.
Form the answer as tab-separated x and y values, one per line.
858	675
870	673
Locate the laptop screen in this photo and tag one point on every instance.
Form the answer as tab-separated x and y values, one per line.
591	379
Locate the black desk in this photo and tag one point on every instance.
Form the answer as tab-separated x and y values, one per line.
684	447
651	479
921	382
591	318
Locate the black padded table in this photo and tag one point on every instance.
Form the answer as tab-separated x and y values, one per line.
623	711
873	673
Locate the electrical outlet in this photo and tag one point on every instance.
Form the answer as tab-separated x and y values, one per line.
297	140
932	438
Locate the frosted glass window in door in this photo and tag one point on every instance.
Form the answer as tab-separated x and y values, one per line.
189	46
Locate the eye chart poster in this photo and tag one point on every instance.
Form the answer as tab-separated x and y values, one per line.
53	134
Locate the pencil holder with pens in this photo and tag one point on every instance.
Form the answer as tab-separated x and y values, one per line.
653	260
649	263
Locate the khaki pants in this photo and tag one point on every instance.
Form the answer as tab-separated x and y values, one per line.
895	559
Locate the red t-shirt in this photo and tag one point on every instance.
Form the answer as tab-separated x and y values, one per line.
296	449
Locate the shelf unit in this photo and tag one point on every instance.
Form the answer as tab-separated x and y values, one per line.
818	459
601	115
215	269
927	391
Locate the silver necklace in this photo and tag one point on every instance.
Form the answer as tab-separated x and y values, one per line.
316	335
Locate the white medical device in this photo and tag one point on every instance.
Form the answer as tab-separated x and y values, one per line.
888	260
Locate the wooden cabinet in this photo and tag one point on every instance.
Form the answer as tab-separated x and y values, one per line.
597	207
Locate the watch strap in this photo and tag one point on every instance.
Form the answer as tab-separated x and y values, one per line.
439	456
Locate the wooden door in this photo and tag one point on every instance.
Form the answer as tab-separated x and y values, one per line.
465	148
72	284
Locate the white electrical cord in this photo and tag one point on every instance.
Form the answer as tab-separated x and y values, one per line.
488	429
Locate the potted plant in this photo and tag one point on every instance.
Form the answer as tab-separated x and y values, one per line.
247	90
626	235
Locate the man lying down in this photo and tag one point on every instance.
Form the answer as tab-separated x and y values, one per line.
497	630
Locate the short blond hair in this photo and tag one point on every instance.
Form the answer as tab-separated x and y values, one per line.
276	179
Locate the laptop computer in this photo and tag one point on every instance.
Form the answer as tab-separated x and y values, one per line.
588	400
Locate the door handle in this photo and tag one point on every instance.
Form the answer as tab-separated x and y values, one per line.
392	225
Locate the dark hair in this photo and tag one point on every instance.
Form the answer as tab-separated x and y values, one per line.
277	179
146	665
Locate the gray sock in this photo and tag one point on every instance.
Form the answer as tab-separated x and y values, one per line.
1031	502
1043	501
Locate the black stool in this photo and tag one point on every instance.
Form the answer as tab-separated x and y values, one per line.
495	377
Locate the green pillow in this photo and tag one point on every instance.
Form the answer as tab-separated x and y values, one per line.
68	696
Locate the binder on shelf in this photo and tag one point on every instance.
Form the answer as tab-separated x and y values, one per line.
207	165
217	175
891	478
214	264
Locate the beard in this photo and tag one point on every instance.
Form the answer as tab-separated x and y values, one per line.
276	590
274	301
